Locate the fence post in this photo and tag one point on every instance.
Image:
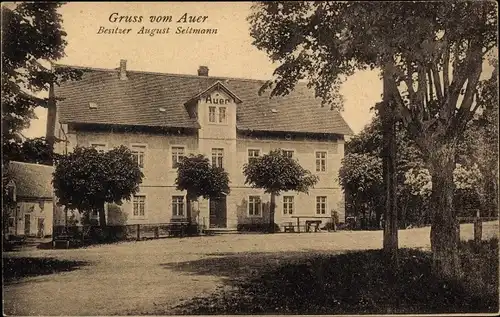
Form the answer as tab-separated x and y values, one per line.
478	229
138	232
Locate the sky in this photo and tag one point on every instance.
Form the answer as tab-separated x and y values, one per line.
228	53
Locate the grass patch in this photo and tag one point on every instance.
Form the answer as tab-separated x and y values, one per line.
17	268
358	283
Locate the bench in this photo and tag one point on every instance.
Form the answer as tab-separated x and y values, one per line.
309	223
288	227
177	229
62	238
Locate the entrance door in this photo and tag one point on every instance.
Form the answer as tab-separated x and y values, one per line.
218	212
27	224
41	227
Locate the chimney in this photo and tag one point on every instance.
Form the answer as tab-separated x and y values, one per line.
123	69
203	71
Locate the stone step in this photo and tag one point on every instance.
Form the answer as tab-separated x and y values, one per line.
220	231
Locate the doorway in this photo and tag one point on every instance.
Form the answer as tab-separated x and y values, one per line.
218	212
41	227
27	224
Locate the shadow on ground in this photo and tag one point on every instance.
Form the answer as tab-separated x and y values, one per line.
17	268
350	283
240	266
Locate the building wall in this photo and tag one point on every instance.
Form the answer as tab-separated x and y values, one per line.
36	211
304	204
159	176
158	171
158	184
217	135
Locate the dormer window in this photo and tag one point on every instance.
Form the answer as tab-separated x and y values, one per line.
211	114
217	114
222	114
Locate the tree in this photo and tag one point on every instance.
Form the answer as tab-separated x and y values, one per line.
361	179
479	145
199	178
36	150
275	173
431	54
31	34
467	181
86	179
369	142
363	154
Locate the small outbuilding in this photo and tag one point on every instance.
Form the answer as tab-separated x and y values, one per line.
33	193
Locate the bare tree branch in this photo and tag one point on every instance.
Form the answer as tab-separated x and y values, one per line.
446	70
431	88
437	83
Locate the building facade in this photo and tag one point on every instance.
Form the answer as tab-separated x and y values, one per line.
163	117
33	209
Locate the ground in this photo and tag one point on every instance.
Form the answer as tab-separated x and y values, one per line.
156	275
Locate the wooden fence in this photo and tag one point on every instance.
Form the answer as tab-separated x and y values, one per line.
89	233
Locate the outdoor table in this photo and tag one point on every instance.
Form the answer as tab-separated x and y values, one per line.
309	217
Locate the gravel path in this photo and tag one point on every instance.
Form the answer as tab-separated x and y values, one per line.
137	276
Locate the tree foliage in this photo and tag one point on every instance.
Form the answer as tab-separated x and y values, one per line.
361	174
198	177
361	179
86	179
323	42
32	33
275	173
431	54
36	150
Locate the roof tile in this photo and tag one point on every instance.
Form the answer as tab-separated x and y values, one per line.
136	101
32	180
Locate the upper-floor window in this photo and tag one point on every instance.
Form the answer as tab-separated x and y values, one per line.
222	115
288	205
320	161
100	147
217	157
211	114
177	206
321	205
287	153
253	154
138	152
254	206
139	205
217	114
178	152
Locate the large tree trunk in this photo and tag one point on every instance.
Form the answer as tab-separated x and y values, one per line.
51	119
445	230
272	208
387	115
102	215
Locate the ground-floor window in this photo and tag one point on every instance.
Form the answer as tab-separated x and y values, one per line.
321	205
254	206
177	205
139	205
287	205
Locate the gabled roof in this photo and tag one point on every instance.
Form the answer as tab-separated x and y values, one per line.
31	180
216	86
137	100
